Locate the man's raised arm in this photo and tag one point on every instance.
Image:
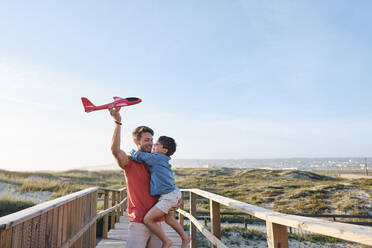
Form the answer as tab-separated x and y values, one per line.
120	156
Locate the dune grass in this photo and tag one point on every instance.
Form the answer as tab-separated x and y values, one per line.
286	191
8	206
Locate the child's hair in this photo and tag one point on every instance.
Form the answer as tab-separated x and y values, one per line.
168	143
137	133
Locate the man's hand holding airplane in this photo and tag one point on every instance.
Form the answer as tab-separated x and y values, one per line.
115	112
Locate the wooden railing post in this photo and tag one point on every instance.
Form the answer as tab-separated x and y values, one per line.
277	235
113	200
215	220
180	216
105	218
118	199
122	206
192	226
93	227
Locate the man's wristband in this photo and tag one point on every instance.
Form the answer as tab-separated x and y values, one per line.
118	122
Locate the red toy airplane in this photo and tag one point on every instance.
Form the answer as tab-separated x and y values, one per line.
118	102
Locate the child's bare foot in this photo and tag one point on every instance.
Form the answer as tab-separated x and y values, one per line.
167	244
185	241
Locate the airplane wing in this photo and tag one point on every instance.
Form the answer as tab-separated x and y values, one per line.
116	98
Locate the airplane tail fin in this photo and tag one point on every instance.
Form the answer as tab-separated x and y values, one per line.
88	105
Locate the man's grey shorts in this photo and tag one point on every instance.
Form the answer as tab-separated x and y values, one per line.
140	236
167	201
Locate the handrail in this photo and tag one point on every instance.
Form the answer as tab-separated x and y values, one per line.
348	232
213	239
102	190
109	210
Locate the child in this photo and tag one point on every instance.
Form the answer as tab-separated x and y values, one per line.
162	183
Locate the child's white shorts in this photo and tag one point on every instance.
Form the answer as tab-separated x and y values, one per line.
167	201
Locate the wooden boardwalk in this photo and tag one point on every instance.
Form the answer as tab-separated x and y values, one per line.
117	237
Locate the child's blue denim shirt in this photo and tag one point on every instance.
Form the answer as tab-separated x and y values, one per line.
162	179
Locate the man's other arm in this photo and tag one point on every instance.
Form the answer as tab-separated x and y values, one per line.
120	156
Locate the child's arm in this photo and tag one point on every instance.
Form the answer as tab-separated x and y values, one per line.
143	157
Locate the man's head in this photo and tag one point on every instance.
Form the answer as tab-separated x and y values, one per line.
165	145
142	137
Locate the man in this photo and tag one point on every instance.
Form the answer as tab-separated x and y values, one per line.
138	185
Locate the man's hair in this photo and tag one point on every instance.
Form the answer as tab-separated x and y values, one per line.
137	133
168	143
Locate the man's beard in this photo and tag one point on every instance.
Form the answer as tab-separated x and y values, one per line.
145	148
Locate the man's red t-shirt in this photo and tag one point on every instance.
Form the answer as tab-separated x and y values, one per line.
138	187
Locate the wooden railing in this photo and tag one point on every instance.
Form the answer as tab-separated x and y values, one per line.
69	221
276	223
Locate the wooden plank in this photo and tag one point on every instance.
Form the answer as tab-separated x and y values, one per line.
60	226
180	216
215	220
93	228
113	200
55	227
35	231
42	230
7	238
122	206
90	214
79	242
277	236
73	219
49	229
64	224
192	226
93	235
69	220
86	213
105	218
17	236
118	199
26	237
3	238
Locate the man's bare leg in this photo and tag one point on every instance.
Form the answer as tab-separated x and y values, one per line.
149	220
169	219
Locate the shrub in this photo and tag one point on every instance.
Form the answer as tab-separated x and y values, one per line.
8	206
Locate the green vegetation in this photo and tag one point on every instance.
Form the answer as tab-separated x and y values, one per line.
62	183
287	191
8	206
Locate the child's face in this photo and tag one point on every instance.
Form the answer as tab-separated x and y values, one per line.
158	148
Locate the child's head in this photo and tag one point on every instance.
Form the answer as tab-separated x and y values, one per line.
165	145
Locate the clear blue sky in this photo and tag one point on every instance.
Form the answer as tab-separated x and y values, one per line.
226	79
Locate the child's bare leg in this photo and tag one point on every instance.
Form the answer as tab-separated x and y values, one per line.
149	220
169	219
